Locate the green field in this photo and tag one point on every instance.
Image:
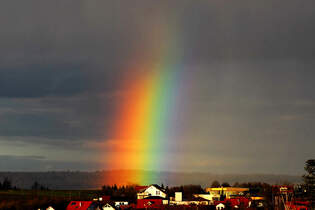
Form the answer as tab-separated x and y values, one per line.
35	199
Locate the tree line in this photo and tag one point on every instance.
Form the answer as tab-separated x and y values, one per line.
6	184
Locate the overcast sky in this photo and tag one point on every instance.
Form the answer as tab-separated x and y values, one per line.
248	104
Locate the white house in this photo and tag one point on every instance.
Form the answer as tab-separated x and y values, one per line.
108	207
208	197
220	206
178	196
121	203
152	190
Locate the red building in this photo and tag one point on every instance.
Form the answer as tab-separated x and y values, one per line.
150	202
298	205
239	201
84	205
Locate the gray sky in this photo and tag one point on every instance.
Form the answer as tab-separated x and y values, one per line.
248	99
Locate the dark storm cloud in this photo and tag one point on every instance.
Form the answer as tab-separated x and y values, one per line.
58	120
43	125
34	163
250	30
249	67
26	157
46	80
97	39
112	31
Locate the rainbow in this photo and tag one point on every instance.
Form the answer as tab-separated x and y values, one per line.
143	122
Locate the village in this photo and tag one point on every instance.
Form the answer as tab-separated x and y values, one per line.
215	195
218	198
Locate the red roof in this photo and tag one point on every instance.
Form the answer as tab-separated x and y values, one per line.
151	203
79	205
140	188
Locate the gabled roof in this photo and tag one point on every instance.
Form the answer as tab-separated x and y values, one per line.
108	206
141	188
221	204
79	205
158	187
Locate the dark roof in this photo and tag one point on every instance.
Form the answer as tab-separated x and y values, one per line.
158	187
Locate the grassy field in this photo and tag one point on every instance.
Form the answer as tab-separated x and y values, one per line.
32	199
66	194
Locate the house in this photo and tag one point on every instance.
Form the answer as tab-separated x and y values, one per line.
222	193
239	201
178	200
297	205
87	205
178	196
193	202
216	193
150	202
120	203
199	201
152	190
208	197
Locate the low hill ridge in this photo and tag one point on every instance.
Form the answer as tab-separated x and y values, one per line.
94	180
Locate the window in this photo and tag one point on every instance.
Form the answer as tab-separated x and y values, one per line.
157	192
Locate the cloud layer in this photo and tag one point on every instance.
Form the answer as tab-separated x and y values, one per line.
248	92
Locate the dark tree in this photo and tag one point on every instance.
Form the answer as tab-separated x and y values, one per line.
309	180
226	184
215	183
120	193
6	185
236	184
167	190
35	186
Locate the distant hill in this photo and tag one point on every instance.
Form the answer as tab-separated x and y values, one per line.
94	180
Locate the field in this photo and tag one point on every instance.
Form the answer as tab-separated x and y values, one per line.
32	199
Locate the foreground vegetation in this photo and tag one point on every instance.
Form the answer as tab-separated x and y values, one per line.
35	199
